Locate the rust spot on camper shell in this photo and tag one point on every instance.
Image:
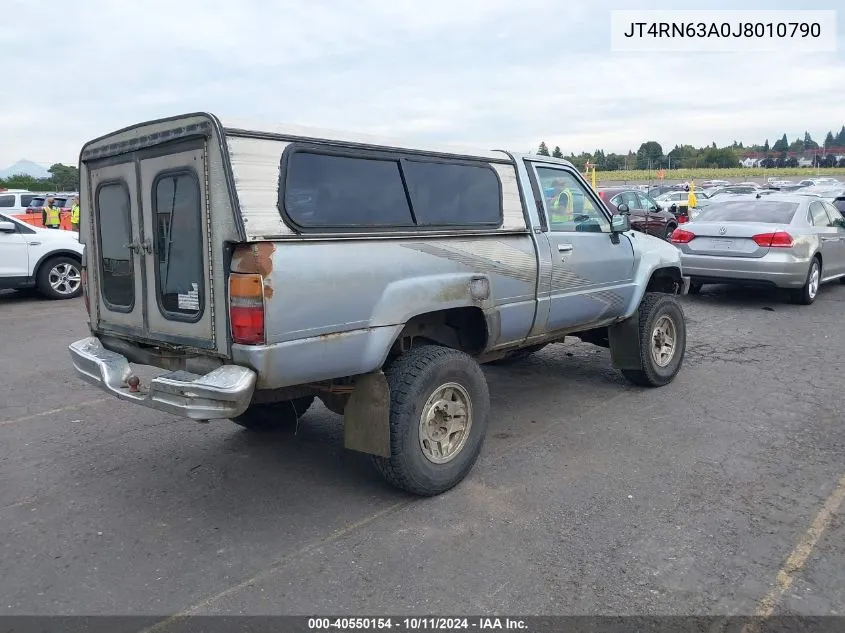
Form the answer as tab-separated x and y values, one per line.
254	258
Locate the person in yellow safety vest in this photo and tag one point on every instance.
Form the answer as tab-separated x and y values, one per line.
50	215
692	201
561	204
74	215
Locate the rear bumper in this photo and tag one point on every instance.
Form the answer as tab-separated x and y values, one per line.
773	269
225	392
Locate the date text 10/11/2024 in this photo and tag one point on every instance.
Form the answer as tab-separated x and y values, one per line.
418	624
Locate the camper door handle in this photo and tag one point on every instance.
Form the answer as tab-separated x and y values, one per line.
133	246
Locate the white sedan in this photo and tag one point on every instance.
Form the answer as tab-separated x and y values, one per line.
680	199
46	259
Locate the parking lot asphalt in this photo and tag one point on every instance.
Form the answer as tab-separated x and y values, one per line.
718	494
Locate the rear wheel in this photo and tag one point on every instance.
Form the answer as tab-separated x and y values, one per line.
663	341
807	294
274	416
60	278
518	355
439	410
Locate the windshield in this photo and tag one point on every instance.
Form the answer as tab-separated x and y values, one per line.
769	212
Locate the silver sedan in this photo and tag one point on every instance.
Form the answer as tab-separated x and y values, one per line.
779	240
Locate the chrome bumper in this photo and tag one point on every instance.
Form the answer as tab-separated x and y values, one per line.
225	392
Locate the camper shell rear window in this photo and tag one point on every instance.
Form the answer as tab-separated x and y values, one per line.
322	189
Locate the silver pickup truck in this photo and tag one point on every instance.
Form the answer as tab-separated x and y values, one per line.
258	269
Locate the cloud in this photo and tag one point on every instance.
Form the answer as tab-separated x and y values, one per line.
485	73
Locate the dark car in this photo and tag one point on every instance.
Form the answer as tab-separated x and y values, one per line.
647	216
657	190
36	204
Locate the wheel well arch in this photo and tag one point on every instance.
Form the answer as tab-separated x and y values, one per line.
667	279
51	255
463	328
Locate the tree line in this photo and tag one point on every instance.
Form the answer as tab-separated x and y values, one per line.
650	154
62	178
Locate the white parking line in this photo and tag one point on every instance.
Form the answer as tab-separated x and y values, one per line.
52	411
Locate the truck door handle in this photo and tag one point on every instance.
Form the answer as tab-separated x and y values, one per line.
133	246
148	246
830	239
564	248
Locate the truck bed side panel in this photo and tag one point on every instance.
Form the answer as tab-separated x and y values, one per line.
325	294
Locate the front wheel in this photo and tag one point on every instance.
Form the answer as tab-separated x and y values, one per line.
663	341
439	410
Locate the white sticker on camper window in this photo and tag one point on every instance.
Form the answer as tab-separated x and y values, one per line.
191	300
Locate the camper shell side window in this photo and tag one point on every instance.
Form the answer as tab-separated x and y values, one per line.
325	189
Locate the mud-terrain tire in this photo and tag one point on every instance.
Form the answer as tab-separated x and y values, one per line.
439	412
274	416
518	355
661	325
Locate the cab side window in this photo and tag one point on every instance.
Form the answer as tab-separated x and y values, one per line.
568	203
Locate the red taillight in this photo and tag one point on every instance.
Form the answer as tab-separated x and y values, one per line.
680	236
246	308
779	239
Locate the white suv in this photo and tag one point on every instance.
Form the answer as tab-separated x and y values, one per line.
47	259
16	200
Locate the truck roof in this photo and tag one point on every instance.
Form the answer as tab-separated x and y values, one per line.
236	126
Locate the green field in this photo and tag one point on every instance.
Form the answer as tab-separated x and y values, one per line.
721	174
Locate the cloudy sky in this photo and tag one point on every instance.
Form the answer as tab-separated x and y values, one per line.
486	73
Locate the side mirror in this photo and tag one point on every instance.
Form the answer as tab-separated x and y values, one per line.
623	209
620	223
8	227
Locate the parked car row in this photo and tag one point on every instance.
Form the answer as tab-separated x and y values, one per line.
16	201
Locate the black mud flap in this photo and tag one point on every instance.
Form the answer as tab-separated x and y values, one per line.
366	419
625	347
